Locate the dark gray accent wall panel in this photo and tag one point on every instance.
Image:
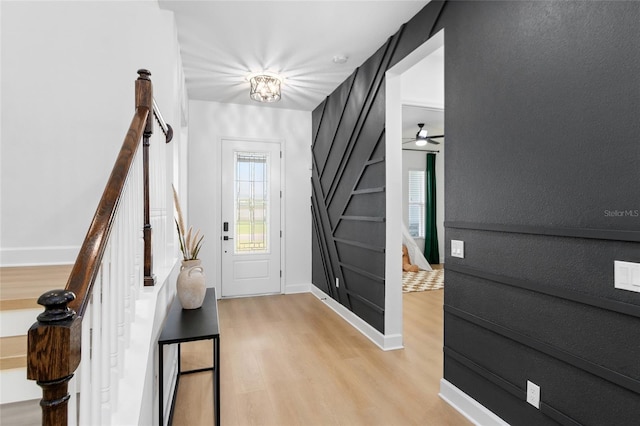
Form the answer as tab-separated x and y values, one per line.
578	267
542	183
542	100
348	182
348	191
573	397
542	107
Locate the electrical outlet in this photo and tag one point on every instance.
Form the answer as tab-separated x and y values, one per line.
533	394
337	282
457	248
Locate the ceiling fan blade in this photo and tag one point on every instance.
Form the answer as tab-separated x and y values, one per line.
409	141
433	142
436	136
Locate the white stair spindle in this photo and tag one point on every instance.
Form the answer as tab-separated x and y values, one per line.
130	278
96	351
72	407
114	281
85	365
105	337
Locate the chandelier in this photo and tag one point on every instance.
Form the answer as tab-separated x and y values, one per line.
265	88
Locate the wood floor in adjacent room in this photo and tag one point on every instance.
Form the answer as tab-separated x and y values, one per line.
290	360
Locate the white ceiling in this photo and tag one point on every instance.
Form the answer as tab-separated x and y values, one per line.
223	41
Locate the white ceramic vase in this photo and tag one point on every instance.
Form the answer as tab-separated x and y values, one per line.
191	286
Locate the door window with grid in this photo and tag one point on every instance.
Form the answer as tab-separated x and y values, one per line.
251	202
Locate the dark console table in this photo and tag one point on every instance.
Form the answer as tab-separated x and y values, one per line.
190	325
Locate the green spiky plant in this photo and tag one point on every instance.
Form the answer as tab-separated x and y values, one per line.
190	244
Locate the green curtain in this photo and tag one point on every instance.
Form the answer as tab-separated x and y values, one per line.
431	233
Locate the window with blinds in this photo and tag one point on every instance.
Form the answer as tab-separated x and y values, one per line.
416	203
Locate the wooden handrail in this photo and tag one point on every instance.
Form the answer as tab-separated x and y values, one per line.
54	342
88	261
87	264
166	128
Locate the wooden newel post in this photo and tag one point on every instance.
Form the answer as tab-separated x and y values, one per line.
146	100
54	353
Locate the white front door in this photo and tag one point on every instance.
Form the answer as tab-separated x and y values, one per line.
250	218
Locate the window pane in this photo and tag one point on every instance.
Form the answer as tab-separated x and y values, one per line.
416	186
251	202
416	194
414	220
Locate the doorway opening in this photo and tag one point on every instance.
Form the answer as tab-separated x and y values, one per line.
414	85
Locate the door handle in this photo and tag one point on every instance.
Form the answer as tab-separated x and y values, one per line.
227	238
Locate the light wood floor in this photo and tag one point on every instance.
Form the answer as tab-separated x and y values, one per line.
289	360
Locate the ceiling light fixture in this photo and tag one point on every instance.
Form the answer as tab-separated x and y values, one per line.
265	88
421	136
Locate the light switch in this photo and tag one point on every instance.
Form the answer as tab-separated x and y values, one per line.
457	248
626	275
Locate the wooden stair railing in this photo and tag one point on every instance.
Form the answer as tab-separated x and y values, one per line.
54	341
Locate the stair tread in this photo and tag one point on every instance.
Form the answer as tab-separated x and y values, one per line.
13	352
20	286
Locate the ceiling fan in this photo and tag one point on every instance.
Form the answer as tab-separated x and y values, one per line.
422	137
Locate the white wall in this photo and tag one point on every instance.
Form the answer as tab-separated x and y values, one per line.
68	72
423	85
209	123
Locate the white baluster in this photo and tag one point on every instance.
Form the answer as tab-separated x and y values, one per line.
127	303
96	351
116	278
72	407
121	285
138	231
105	337
85	364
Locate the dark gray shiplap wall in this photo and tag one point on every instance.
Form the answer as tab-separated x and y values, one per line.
348	181
542	123
348	191
543	109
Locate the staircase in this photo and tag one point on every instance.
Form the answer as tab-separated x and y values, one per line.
98	336
20	288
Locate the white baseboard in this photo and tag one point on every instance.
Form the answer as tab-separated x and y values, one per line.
386	343
468	407
297	288
30	256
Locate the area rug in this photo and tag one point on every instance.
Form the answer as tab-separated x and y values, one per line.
422	280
